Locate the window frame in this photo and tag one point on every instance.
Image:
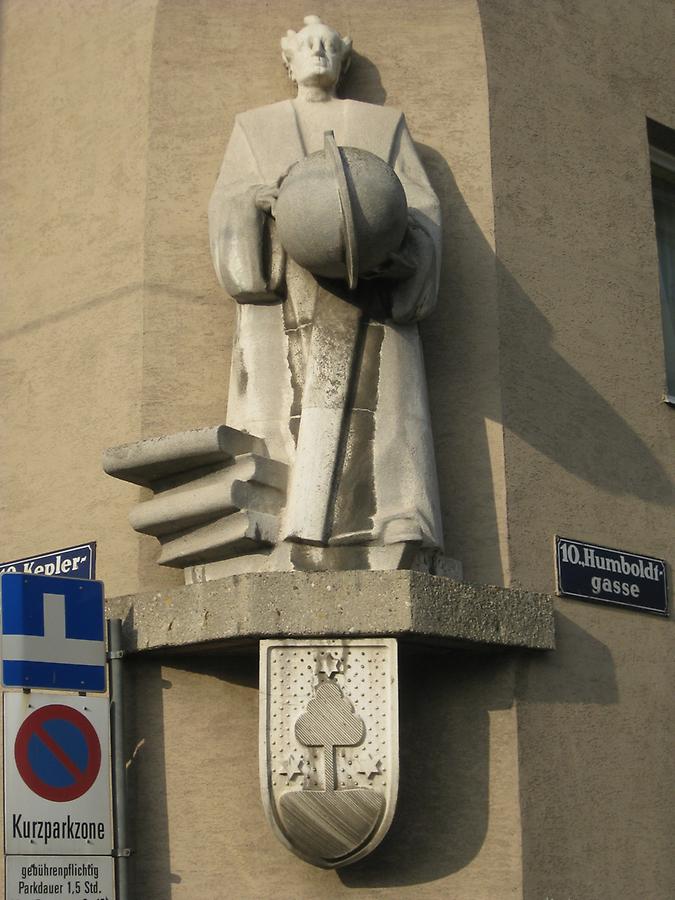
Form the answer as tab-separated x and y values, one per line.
665	162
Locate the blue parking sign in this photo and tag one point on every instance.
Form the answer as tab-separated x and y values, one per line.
52	633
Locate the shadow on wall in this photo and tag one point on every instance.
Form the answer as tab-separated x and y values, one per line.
587	677
363	82
443	803
587	829
558	413
146	751
145	755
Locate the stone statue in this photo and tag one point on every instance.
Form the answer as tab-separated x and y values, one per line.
327	379
383	484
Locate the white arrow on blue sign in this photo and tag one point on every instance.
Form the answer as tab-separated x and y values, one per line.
52	633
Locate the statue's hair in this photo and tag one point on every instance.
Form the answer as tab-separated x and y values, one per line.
290	40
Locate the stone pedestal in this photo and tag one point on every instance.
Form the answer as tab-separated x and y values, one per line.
411	606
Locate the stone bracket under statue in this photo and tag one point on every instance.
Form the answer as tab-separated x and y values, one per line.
219	508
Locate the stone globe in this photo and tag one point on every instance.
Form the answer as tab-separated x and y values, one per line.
340	212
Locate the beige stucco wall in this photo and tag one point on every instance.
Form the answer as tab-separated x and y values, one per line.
588	444
73	147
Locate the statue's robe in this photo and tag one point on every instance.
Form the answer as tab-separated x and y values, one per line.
386	488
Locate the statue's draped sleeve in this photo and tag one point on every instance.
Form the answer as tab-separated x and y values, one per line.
415	297
245	253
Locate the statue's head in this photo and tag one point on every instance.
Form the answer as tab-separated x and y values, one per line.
316	56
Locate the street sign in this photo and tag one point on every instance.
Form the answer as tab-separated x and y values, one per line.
52	633
591	572
71	877
69	562
57	774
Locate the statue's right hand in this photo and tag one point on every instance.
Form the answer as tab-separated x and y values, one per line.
266	198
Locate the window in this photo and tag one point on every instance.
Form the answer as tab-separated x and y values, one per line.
662	152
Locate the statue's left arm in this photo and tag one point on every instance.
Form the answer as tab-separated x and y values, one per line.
414	297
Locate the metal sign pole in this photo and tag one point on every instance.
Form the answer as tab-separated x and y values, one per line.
121	851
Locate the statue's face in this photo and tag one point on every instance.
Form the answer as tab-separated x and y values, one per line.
317	56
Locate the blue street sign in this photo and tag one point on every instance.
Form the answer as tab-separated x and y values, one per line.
52	633
591	572
69	562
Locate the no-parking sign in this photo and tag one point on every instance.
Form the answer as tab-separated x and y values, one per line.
57	774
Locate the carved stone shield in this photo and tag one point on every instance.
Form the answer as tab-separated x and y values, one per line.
329	745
